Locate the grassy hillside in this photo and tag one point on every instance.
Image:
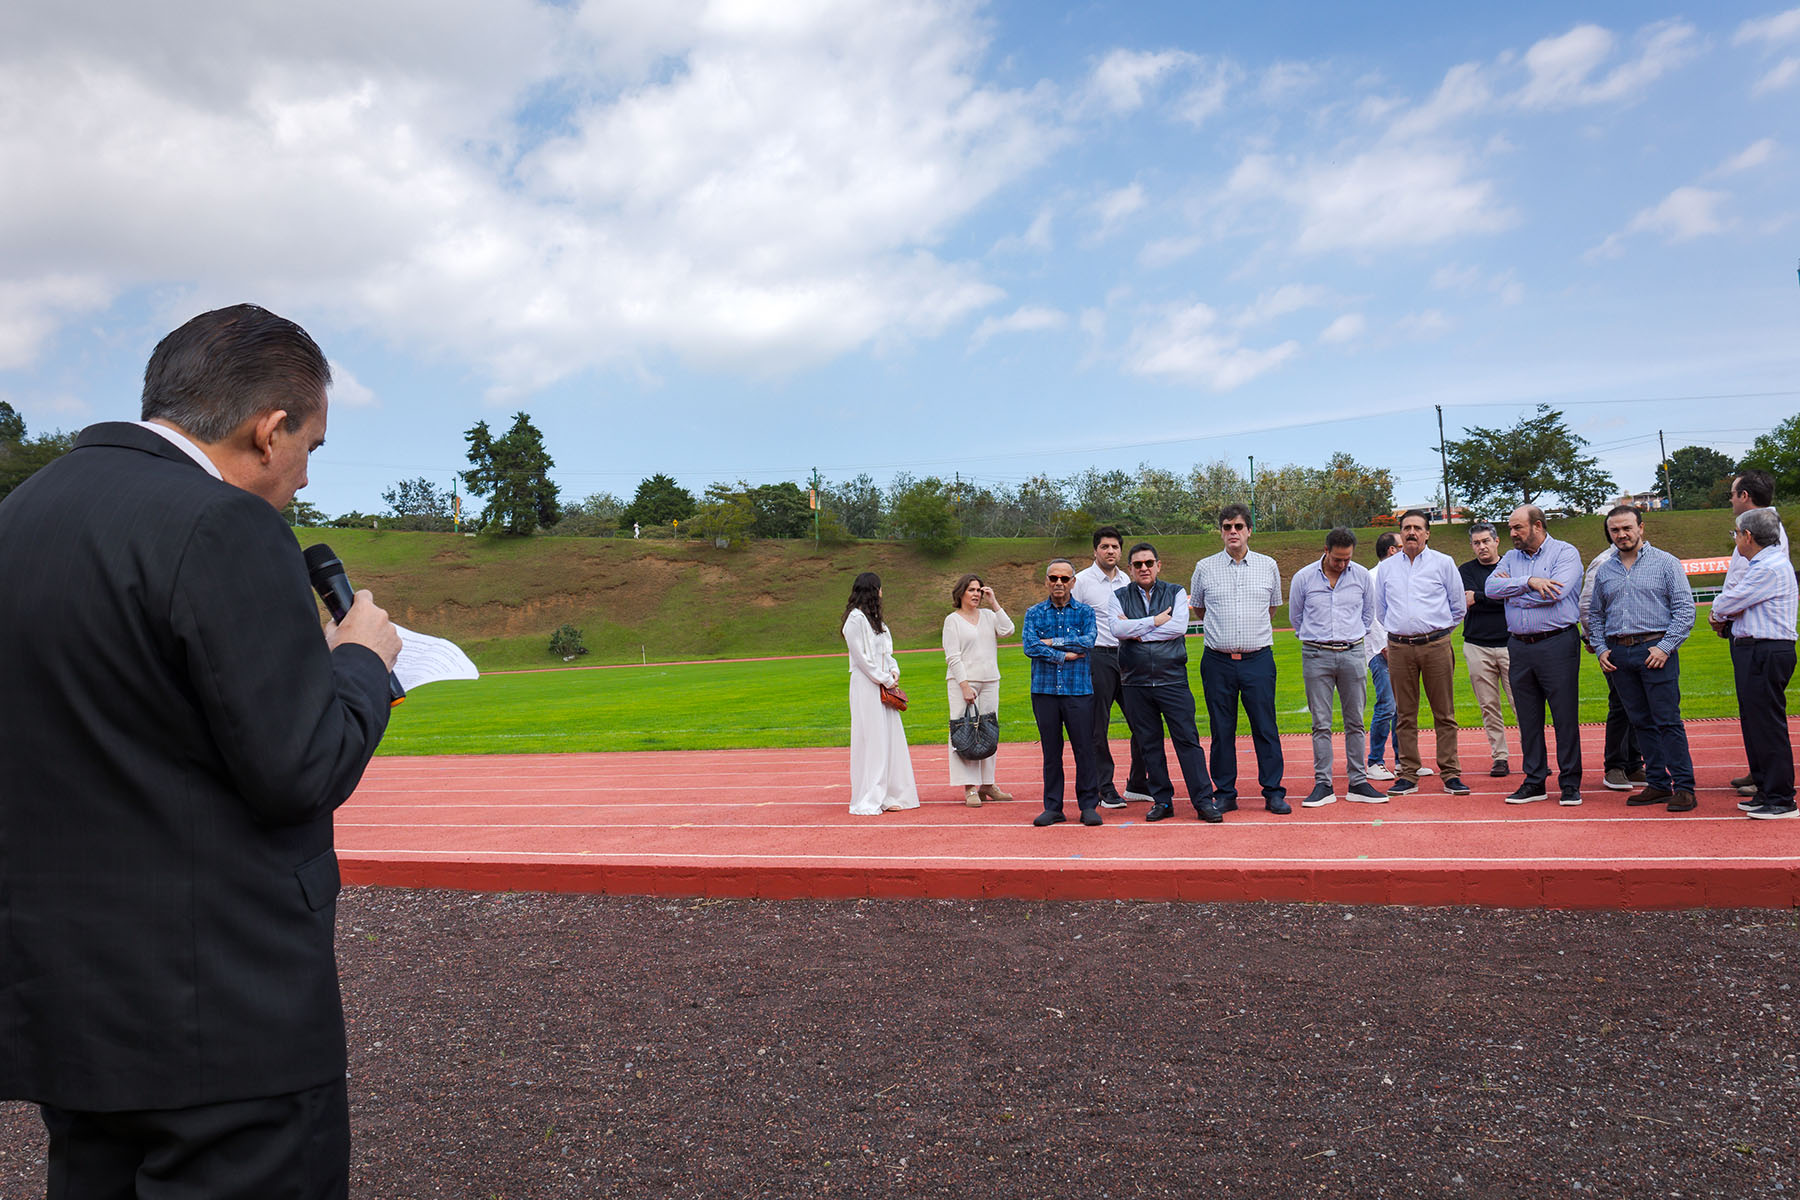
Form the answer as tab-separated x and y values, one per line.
634	600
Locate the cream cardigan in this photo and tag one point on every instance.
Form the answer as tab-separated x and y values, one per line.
969	650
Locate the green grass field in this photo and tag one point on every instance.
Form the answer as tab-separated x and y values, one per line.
802	702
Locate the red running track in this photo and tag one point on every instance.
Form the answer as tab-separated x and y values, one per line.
774	824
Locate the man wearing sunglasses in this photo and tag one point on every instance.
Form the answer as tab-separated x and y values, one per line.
1149	617
1759	601
1236	592
1058	637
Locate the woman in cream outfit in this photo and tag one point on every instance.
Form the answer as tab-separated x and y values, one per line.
881	774
972	674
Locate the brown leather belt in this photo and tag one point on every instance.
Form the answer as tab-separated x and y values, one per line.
1420	639
1633	639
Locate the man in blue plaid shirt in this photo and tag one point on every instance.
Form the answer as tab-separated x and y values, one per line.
1059	633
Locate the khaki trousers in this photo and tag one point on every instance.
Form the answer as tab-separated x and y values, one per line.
1433	666
1488	676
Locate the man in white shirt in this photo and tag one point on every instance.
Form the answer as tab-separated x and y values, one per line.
1749	489
1235	592
1381	721
1095	586
1419	601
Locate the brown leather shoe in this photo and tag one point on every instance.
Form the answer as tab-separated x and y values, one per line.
990	792
1682	802
971	797
1651	795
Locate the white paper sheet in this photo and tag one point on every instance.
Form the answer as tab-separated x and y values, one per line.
426	659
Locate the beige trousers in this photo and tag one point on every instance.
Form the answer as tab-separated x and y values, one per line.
1489	678
963	772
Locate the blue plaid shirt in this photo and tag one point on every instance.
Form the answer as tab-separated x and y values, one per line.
1070	627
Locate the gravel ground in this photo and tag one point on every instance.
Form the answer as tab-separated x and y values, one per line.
507	1046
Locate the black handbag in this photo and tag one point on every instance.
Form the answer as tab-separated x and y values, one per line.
975	735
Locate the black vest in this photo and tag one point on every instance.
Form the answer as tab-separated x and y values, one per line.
1151	664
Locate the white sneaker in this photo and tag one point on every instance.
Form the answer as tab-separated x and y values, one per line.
1131	795
1378	771
1426	771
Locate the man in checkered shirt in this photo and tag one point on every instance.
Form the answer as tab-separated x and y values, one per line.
1235	592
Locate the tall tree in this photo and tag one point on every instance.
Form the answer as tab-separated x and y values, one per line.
659	501
1699	475
922	513
22	456
858	504
513	471
418	504
1778	453
1495	470
782	510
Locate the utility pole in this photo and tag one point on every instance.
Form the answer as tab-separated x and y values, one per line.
1444	457
1668	476
815	505
1253	491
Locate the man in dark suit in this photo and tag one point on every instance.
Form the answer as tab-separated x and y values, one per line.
179	732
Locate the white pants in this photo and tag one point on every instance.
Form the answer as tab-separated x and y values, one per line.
966	772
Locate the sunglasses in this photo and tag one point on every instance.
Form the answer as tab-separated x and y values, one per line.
1235	525
1143	565
1062	579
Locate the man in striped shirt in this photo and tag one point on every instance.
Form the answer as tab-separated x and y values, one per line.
1749	489
1641	610
1760	600
1058	636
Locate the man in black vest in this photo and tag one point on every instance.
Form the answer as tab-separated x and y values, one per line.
1149	616
178	732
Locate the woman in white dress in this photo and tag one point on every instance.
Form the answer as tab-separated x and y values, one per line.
881	774
972	675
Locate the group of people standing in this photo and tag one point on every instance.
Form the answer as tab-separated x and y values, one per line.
1116	633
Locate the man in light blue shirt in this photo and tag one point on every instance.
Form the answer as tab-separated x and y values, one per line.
1759	600
1540	581
1332	605
1640	612
1419	601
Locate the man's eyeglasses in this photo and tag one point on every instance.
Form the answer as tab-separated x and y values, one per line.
1234	525
1143	564
1062	579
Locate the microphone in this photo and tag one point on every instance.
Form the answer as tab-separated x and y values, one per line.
333	586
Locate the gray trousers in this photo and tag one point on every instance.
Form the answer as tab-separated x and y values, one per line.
1344	672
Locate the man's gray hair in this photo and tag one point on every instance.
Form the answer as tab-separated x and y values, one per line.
1762	524
1480	527
231	364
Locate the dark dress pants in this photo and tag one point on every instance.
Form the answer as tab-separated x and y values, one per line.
1652	701
1761	668
1147	708
290	1147
1548	674
1622	750
1055	714
1251	679
1103	664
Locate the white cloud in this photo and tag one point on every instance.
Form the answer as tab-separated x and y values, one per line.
757	185
1285	80
31	311
1036	237
1188	346
1754	155
1163	252
1206	97
1115	206
1563	68
1288	298
1686	212
347	391
1423	325
1465	90
1388	196
1026	319
1122	78
1782	75
1346	328
1503	285
1779	27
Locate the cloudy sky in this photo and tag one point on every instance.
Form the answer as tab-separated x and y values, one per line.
746	238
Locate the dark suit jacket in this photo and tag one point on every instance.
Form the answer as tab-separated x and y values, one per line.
174	735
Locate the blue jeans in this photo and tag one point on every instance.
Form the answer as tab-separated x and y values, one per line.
1652	702
1381	725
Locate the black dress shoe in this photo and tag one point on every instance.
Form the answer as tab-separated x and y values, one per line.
1050	816
1159	811
1649	795
1499	770
1212	814
1090	817
1278	806
1226	806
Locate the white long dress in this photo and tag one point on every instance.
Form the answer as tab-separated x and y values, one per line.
881	774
